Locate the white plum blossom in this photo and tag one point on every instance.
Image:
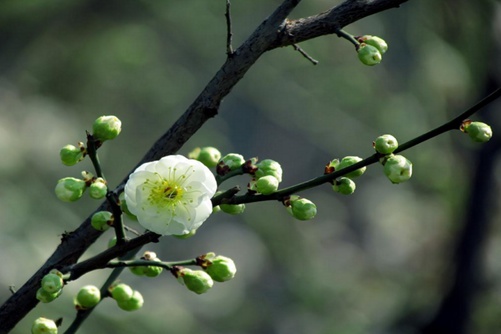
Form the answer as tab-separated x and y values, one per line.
171	195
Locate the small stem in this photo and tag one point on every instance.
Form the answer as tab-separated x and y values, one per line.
343	34
216	200
131	230
306	55
229	35
118	225
92	146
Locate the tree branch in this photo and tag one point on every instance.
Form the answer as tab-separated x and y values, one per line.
276	31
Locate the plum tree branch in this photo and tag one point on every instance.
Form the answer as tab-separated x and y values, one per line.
274	32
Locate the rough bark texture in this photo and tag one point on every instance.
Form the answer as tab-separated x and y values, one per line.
276	31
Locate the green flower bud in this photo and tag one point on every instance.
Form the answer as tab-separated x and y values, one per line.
479	132
232	161
52	283
348	161
266	185
385	144
106	128
397	168
70	154
232	209
344	186
209	156
44	326
46	297
138	270
269	167
98	188
121	292
70	189
331	167
88	296
153	271
369	55
102	220
133	303
301	208
197	281
375	41
221	268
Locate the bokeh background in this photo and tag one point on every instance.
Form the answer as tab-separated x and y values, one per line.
380	261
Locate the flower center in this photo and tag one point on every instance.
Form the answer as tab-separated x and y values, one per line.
164	193
172	192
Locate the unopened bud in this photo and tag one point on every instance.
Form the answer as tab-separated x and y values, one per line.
70	189
369	55
106	128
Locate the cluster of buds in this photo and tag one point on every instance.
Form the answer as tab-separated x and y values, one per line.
397	168
148	271
51	286
214	268
266	177
104	128
127	298
71	189
344	184
371	49
220	268
300	208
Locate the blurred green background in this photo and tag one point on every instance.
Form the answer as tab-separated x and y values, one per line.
379	261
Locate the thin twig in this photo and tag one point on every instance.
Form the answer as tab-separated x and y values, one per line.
453	124
229	33
307	56
131	230
118	225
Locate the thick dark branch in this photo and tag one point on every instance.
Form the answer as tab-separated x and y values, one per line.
275	31
331	21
